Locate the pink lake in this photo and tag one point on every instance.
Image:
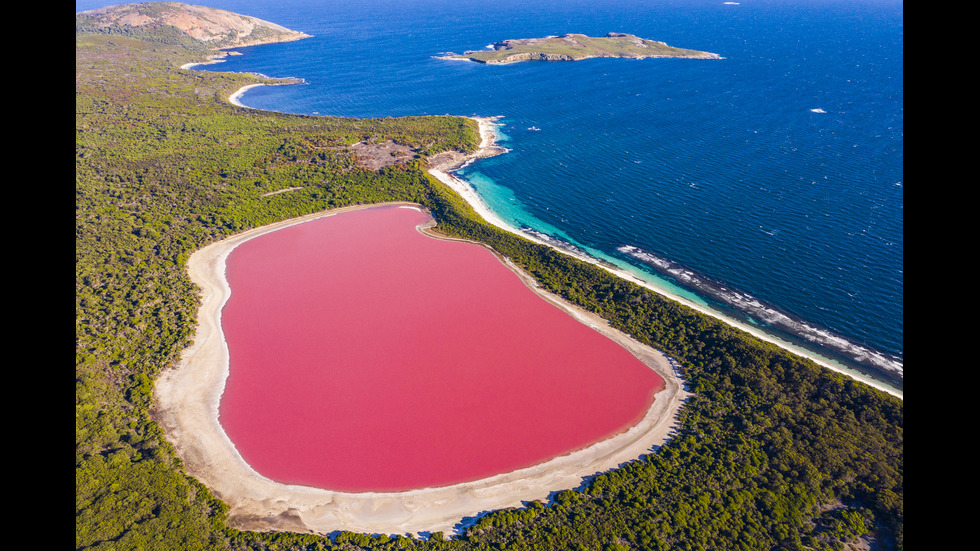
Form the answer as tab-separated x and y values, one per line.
365	356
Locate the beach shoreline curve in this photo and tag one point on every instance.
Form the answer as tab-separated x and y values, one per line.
188	396
489	148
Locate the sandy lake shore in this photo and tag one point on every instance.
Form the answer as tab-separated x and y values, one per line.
187	408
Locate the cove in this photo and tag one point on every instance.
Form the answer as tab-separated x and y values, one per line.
366	356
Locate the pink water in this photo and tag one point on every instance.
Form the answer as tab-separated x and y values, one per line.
368	357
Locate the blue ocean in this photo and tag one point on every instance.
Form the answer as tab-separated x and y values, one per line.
767	185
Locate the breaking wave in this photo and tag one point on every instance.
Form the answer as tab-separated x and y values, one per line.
758	312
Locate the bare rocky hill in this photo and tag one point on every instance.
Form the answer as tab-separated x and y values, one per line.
217	28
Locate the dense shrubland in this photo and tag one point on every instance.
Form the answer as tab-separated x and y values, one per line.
771	451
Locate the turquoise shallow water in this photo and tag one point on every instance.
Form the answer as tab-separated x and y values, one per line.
768	183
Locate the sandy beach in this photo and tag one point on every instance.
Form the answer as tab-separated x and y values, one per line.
233	99
187	408
488	147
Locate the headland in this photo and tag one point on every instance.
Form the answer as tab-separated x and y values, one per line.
215	27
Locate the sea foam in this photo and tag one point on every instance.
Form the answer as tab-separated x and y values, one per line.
757	311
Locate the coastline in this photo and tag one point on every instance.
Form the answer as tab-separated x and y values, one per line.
187	408
582	58
235	98
213	59
488	148
188	397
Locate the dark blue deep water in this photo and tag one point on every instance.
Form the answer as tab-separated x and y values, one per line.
770	181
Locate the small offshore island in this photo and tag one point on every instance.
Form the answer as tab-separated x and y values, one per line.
576	47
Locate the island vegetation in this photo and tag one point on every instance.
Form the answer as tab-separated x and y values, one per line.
575	47
771	452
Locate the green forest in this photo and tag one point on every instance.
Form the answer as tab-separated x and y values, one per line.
771	452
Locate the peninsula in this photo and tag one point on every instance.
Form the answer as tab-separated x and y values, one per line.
177	21
575	47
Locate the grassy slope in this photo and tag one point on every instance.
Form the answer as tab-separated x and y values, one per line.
772	452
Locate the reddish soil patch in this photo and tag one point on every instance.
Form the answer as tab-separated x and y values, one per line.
375	156
365	356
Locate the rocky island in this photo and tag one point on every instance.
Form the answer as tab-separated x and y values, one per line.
575	47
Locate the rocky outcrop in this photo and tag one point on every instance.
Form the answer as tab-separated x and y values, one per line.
529	56
217	28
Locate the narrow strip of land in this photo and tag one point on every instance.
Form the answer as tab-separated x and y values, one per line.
443	172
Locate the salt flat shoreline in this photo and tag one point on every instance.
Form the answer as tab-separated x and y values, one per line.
188	397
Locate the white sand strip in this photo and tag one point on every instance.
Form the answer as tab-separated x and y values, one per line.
188	395
488	148
235	98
